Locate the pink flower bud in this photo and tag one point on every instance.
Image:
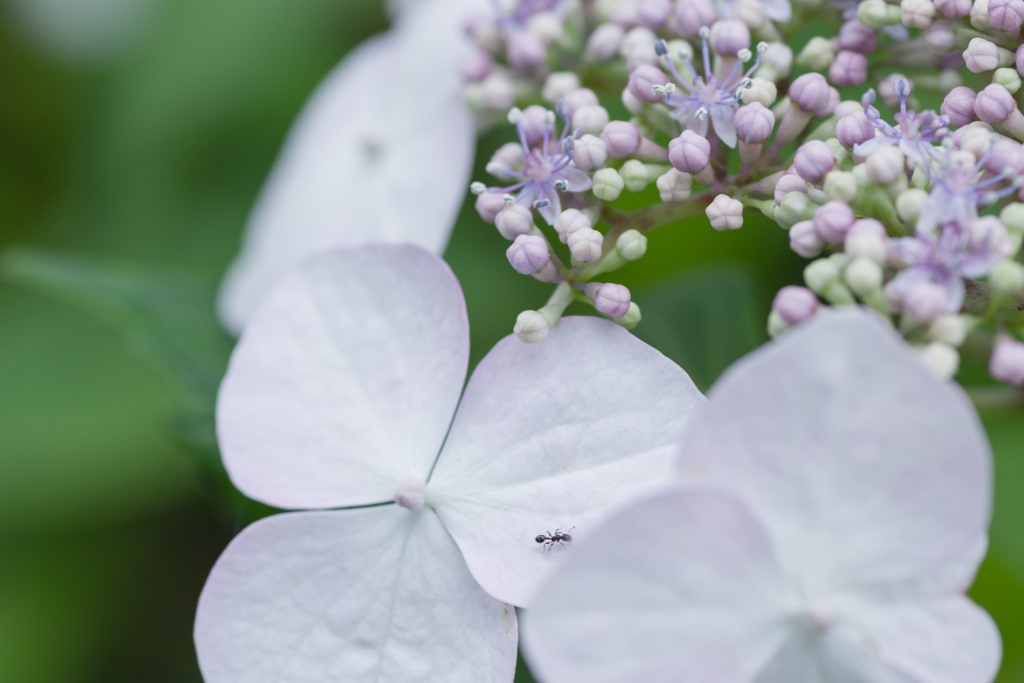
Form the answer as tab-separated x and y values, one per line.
583	97
1005	155
489	205
981	55
854	129
925	301
940	37
810	94
689	152
1019	60
513	221
476	66
795	304
954	9
832	221
534	123
621	139
814	159
642	81
804	240
528	254
610	299
729	36
692	15
994	104
1007	362
790	182
1006	15
525	50
856	37
653	13
848	69
604	42
754	123
958	105
589	153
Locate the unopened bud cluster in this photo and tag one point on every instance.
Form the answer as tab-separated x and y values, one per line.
914	211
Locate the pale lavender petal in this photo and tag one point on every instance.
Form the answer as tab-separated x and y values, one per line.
360	166
680	587
553	207
777	10
864	467
555	435
864	149
723	117
379	595
346	380
578	180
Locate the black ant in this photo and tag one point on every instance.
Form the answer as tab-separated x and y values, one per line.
557	538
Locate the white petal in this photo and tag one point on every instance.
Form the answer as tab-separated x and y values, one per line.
944	640
346	381
681	587
381	153
863	466
551	435
377	594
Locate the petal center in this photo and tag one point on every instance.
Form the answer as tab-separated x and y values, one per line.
410	494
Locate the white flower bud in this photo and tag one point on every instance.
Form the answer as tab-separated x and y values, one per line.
877	14
725	213
942	359
632	104
885	165
608	184
820	274
591	118
983	55
909	204
761	90
795	207
976	139
631	245
1012	216
816	55
917	13
979	14
569	221
635	175
863	275
674	185
776	325
410	494
589	153
862	244
497	91
1007	77
632	317
1007	279
948	329
750	12
840	186
776	63
531	326
559	84
585	245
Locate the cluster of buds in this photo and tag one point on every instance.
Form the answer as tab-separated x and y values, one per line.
915	214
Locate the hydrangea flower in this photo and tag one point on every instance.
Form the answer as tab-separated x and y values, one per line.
960	184
545	171
359	144
833	506
340	395
915	134
708	97
945	257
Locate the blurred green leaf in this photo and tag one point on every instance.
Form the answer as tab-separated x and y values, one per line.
167	319
704	318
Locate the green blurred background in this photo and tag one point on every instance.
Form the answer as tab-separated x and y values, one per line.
134	137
